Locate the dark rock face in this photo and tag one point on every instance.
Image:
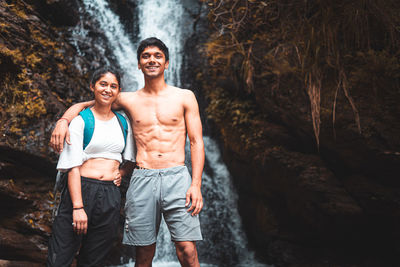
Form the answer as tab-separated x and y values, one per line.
25	208
126	11
336	205
340	204
41	74
57	12
193	59
39	78
295	210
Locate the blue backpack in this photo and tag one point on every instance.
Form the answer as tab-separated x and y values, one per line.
88	118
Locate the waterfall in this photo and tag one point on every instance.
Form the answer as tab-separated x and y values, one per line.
123	49
162	19
224	242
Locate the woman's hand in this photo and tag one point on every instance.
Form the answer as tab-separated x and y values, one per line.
80	221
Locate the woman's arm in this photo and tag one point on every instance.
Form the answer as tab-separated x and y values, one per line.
79	217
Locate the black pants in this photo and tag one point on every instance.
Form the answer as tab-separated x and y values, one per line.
101	200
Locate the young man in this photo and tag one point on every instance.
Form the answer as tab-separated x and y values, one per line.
161	115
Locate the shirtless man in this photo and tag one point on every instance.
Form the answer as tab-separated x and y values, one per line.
161	115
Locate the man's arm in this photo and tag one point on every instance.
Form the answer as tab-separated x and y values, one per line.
126	168
61	131
117	104
195	134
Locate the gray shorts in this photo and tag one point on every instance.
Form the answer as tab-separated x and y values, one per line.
157	192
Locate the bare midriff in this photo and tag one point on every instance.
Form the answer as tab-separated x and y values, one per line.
100	169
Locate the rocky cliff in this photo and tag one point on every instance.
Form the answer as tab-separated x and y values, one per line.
305	96
38	76
41	74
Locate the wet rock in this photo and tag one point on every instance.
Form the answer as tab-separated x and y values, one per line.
336	204
58	12
6	263
39	78
15	246
128	15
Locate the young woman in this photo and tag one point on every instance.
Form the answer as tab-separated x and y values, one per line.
88	216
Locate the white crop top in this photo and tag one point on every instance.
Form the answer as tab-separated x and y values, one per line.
107	142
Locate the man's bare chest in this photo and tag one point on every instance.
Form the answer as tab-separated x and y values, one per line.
157	114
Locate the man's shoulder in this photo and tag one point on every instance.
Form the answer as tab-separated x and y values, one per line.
127	97
128	94
139	93
185	96
181	91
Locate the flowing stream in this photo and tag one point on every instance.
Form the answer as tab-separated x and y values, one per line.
224	243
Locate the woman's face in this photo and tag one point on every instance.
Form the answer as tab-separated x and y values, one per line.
106	89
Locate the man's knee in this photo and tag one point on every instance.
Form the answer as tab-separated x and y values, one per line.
186	251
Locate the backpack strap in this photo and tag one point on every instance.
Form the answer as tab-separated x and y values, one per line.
124	125
88	118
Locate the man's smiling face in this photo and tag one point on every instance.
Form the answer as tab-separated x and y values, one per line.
152	62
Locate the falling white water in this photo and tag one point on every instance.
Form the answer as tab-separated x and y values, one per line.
222	183
224	242
153	15
123	49
163	19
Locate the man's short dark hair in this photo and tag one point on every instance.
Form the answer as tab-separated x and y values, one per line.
152	41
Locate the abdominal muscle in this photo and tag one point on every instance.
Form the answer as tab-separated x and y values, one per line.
100	169
159	153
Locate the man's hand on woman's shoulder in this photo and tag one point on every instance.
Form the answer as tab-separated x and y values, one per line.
58	135
61	130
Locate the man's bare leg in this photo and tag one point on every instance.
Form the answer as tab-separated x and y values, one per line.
187	253
145	255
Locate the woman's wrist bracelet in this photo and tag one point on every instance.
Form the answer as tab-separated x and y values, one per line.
62	118
77	208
